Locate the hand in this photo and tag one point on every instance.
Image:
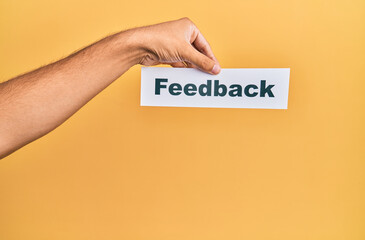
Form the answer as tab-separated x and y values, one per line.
178	43
35	103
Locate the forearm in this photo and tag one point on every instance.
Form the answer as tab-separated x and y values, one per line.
35	103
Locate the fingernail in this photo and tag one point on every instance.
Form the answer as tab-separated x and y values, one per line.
216	69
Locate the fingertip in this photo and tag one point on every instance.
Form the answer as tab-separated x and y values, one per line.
216	69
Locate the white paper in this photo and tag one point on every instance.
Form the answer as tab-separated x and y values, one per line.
245	88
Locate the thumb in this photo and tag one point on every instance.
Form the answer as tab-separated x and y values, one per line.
204	63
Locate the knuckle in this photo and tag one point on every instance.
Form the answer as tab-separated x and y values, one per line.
185	19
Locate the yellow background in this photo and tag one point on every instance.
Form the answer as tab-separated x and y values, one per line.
116	170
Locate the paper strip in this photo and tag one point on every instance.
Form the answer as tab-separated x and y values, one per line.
231	88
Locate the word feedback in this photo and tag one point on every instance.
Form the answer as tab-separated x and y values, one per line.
216	89
265	88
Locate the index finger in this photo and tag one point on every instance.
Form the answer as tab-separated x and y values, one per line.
202	45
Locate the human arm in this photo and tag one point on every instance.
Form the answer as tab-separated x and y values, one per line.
35	103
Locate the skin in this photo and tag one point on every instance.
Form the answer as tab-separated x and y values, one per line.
35	103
